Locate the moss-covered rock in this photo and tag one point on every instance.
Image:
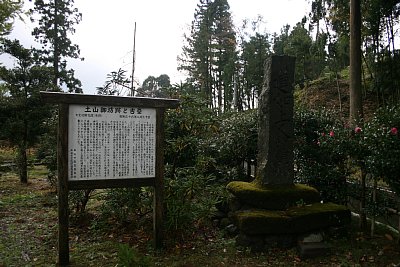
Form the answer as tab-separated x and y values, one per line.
277	197
295	220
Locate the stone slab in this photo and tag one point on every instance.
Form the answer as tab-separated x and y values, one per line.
278	197
295	220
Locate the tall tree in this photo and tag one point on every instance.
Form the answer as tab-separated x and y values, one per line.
210	52
163	81
155	87
255	47
195	58
356	109
380	19
22	114
299	45
281	40
224	51
57	19
310	55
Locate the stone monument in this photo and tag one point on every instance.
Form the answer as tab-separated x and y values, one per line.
275	113
273	210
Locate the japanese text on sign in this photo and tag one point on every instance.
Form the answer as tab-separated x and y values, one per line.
107	142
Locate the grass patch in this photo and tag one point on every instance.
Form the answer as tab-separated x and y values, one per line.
7	154
39	172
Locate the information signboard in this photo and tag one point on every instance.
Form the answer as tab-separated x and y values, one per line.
107	142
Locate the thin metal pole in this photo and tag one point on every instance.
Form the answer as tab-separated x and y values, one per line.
133	61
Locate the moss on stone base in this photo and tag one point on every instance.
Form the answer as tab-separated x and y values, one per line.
277	197
294	220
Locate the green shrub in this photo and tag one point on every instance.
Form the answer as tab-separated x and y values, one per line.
190	199
130	257
326	150
204	150
234	143
78	200
186	128
46	151
319	153
381	137
125	203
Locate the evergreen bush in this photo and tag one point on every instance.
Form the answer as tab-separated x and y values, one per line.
319	155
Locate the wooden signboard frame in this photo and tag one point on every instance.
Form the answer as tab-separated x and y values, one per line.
64	101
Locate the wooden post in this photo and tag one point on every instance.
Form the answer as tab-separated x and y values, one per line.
62	158
159	182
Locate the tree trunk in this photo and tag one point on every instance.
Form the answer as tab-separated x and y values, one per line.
356	110
374	215
338	89
22	159
22	162
218	84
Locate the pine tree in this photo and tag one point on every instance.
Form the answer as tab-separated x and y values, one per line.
356	109
255	51
281	40
224	53
210	53
57	19
195	56
299	45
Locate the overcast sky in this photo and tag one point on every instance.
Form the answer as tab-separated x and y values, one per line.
105	34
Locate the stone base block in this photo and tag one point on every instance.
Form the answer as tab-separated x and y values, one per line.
259	243
276	197
295	220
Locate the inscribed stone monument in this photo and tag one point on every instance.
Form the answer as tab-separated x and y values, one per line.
276	130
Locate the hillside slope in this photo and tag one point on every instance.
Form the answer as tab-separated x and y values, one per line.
334	95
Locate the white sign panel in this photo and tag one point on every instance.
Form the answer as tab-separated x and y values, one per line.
109	142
